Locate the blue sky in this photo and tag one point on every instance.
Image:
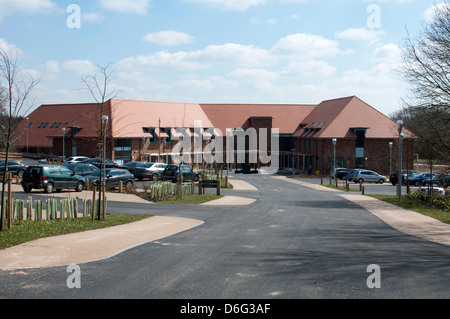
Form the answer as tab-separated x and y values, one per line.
216	51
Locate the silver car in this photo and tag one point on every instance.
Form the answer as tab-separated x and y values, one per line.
368	176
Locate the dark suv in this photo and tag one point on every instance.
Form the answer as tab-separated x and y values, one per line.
51	177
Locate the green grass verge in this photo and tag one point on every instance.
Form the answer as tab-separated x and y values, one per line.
25	231
191	199
413	205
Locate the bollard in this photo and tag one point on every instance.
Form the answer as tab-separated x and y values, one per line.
120	187
200	187
363	190
218	187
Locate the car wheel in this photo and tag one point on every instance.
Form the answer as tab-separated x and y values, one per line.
27	189
381	181
360	181
155	177
49	188
79	187
196	178
20	173
417	183
128	184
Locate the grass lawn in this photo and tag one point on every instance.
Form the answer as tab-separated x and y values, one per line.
417	207
191	199
26	231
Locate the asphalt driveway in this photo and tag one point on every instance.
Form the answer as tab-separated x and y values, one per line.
292	242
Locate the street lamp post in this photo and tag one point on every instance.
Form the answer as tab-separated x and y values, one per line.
390	157
143	148
400	175
103	187
64	143
27	134
334	156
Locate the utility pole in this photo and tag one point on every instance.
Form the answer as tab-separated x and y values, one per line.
159	140
400	175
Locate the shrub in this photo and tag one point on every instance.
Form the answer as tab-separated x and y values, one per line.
441	202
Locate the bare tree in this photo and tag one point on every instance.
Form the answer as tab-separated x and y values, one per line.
98	84
17	100
427	68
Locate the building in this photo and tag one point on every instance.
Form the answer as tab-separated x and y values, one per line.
146	130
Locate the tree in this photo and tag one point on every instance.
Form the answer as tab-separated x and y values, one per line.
427	68
16	91
98	84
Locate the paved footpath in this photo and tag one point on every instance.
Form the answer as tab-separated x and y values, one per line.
406	221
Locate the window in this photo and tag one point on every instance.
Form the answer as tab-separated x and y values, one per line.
40	125
152	139
168	132
29	125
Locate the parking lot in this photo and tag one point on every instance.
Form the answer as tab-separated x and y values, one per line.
369	188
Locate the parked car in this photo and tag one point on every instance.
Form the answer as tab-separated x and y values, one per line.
393	178
353	172
98	162
339	173
444	180
421	178
82	169
50	178
436	189
369	176
171	172
14	167
152	171
113	176
131	165
75	159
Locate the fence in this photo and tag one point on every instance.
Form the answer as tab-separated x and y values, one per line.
29	210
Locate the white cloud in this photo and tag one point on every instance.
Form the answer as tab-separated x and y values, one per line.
302	46
52	66
388	53
9	7
361	34
168	38
81	67
308	68
10	48
234	5
429	14
226	54
254	74
93	17
129	6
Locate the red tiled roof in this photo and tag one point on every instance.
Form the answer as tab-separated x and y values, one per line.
337	118
128	118
286	117
48	120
